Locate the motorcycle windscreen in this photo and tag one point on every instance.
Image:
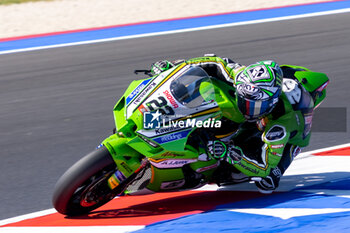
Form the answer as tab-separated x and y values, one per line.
193	88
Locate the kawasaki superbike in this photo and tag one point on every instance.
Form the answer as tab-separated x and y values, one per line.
163	124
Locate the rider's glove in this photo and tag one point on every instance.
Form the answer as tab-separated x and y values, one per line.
160	66
217	149
269	183
234	154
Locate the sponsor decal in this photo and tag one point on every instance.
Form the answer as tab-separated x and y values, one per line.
277	132
147	90
278	146
172	184
278	154
171	163
172	137
136	91
144	93
247	168
113	182
171	99
203	169
166	130
158	132
126	167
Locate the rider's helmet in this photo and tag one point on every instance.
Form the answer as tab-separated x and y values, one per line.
161	66
258	88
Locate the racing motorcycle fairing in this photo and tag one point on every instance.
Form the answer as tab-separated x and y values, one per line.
182	94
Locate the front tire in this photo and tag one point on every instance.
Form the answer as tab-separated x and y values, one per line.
83	187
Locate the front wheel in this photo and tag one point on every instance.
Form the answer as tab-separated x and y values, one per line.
83	187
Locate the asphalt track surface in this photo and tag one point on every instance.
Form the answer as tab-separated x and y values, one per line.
56	104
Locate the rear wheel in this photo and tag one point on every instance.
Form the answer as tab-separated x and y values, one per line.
83	187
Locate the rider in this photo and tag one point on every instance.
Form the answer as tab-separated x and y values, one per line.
278	112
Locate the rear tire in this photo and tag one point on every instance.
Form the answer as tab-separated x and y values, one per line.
80	181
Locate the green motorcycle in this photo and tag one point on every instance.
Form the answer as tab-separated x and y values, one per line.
163	124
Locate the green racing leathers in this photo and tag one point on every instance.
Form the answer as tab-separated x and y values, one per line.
284	130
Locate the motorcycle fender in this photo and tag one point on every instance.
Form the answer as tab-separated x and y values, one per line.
126	158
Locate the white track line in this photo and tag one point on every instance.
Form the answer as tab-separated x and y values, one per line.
27	216
327	148
179	31
286	213
310	153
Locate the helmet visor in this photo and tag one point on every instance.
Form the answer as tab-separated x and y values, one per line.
255	109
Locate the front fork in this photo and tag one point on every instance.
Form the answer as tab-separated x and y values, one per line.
119	185
129	162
